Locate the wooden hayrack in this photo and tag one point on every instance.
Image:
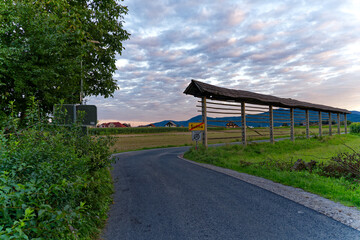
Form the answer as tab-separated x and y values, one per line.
255	108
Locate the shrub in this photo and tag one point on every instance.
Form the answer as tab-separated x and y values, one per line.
54	181
355	127
343	165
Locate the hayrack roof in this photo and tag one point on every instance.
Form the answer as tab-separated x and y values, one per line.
200	89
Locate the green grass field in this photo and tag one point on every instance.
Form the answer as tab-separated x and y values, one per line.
273	161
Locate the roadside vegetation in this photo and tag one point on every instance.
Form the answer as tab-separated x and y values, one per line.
327	166
54	181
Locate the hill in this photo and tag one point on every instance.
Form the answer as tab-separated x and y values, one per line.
353	117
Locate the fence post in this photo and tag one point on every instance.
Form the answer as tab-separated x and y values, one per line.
243	123
320	124
330	122
292	125
271	123
345	123
338	123
204	120
307	123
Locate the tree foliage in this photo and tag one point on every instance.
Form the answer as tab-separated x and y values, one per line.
54	180
46	47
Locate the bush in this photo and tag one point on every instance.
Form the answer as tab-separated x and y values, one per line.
54	181
355	127
345	165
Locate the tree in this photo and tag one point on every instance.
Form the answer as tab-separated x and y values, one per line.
47	47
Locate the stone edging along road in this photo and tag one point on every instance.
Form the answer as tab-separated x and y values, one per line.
349	216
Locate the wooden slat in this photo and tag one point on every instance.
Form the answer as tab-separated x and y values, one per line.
255	117
253	110
257	121
230	109
220	112
223	104
209	120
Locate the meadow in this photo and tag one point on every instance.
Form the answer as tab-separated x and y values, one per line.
129	139
335	175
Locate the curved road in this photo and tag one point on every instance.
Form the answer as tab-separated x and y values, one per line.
159	196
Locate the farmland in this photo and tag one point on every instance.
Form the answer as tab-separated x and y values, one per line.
129	139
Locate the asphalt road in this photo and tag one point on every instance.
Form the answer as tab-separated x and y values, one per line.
159	196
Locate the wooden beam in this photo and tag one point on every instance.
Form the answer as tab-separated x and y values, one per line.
307	123
338	123
292	125
330	122
243	123
271	124
204	120
320	124
345	123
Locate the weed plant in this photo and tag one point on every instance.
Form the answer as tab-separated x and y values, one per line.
54	180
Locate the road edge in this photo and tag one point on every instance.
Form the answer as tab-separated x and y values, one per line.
349	216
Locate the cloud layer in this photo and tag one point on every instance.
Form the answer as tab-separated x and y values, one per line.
307	50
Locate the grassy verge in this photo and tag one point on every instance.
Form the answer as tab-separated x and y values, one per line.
274	162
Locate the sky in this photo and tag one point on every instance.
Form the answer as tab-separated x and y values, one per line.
307	50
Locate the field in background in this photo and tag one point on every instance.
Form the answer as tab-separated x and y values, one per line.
128	139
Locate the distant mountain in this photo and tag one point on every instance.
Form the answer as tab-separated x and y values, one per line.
353	117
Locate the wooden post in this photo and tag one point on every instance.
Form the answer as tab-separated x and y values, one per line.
338	123
271	123
330	122
292	125
307	123
345	123
243	123
320	124
204	120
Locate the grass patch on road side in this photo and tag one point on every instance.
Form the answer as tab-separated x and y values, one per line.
274	162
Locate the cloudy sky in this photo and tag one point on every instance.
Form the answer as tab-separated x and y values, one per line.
308	50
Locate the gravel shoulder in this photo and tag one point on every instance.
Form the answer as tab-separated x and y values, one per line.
349	216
